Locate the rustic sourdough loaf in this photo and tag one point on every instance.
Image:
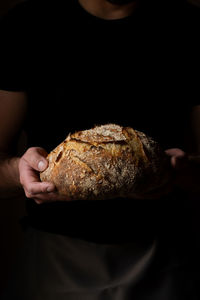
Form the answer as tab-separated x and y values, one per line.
108	161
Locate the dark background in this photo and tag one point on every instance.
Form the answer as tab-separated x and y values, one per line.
5	5
11	235
11	210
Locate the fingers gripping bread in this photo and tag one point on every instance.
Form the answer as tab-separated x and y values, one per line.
106	162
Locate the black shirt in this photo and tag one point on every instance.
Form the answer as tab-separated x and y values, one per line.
79	71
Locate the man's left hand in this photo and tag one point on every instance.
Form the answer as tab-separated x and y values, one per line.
186	169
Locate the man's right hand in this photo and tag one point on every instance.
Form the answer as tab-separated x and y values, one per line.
31	163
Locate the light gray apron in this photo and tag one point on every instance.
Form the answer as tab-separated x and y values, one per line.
56	267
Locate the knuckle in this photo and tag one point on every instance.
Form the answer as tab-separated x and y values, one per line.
36	150
30	190
43	190
31	149
38	201
28	195
36	190
31	153
28	152
23	184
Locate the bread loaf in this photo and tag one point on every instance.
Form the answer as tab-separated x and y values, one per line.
105	162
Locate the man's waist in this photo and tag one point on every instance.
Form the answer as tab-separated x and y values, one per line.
100	221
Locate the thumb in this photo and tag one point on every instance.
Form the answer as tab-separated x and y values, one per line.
179	159
36	158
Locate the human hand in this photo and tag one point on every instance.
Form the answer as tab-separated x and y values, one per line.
179	164
31	163
186	169
178	158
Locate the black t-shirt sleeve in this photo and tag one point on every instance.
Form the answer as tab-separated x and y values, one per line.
13	55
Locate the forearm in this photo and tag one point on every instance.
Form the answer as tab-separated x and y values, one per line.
9	173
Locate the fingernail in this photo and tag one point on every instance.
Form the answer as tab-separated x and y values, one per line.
41	165
50	189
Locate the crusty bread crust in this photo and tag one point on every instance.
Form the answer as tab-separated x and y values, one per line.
106	162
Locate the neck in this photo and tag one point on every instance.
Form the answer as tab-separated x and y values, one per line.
107	10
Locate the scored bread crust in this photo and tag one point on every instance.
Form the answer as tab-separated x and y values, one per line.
106	162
